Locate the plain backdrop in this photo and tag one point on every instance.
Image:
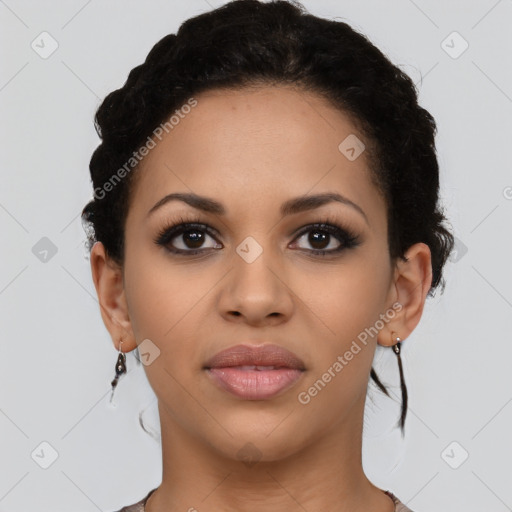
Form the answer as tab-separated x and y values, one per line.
63	446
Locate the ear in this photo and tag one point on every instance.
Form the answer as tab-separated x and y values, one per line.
108	281
412	281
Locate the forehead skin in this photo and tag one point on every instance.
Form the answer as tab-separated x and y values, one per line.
254	148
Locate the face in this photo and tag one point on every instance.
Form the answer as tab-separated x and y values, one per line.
250	272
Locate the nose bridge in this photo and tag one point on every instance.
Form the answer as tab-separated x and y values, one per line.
253	266
256	283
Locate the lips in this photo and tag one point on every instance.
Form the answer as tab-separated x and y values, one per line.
255	372
258	356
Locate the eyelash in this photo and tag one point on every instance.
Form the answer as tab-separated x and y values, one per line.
171	230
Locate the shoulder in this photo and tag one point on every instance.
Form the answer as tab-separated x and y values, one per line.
399	506
139	506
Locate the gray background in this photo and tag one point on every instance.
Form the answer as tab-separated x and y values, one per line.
56	357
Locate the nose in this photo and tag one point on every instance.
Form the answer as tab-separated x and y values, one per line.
256	291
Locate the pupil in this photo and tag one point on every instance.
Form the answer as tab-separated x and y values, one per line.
193	239
316	237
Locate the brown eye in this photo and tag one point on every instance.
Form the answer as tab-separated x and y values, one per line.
187	238
320	240
192	239
327	239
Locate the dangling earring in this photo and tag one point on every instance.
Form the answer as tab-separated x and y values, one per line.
397	350
120	369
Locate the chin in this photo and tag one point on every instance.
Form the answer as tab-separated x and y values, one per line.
256	439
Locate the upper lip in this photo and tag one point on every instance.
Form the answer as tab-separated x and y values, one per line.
255	355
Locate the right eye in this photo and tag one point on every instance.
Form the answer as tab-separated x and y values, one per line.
190	238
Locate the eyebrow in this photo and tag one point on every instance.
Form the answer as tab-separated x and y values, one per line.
289	207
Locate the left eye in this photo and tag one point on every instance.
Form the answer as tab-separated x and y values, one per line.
320	240
320	237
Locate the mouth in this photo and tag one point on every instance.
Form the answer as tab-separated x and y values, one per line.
255	372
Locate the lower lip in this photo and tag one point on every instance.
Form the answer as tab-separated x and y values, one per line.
254	384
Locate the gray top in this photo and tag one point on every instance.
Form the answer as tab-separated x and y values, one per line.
139	506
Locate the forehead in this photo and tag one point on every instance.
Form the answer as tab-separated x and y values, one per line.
253	146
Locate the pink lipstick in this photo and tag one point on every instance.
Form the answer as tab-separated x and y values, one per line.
255	372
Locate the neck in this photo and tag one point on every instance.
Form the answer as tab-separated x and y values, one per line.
324	474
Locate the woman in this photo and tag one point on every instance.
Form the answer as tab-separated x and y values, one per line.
265	213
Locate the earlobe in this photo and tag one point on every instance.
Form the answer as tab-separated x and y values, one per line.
413	278
108	281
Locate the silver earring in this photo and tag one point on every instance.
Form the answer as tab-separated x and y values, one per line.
120	369
397	345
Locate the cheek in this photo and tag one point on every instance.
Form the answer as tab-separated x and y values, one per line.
153	301
160	305
166	302
150	301
159	290
348	298
346	305
343	306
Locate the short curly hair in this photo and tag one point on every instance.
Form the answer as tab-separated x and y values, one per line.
254	43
